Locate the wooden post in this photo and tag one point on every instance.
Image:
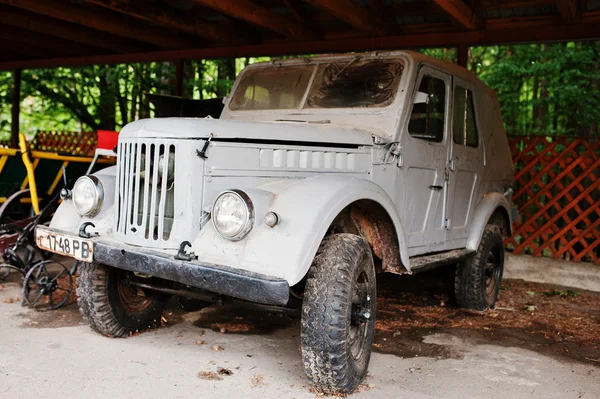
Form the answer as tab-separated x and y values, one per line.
179	78
16	109
462	55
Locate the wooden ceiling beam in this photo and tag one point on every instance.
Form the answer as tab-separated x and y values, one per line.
567	8
49	42
30	50
588	29
102	21
54	28
173	19
247	10
461	13
502	4
351	13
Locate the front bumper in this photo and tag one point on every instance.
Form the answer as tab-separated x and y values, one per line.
215	278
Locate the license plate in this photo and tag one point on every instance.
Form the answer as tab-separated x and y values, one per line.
62	244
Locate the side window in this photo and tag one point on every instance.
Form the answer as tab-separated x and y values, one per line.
464	125
429	107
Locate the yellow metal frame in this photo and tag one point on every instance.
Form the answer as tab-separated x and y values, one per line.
35	202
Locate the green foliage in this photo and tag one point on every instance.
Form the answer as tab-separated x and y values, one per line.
551	89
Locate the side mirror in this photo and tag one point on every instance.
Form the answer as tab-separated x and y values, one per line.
421	98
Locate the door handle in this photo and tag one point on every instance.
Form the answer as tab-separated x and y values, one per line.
436	188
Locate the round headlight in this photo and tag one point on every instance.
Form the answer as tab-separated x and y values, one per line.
233	214
87	195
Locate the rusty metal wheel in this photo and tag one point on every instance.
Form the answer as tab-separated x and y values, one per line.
133	299
47	284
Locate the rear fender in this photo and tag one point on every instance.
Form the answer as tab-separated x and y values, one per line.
306	209
484	211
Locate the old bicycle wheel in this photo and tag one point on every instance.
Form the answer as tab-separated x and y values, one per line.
47	285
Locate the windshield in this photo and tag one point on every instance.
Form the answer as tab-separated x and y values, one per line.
348	84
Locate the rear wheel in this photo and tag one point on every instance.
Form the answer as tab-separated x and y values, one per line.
338	314
478	279
112	306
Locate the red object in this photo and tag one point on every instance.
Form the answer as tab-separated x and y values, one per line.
107	139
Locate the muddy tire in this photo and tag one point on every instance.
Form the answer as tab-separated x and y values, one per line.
338	314
478	279
113	308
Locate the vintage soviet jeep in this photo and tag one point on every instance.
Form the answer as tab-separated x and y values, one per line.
321	175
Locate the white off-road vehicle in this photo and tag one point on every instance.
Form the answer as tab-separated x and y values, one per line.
322	175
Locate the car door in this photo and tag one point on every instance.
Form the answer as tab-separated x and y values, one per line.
465	164
421	192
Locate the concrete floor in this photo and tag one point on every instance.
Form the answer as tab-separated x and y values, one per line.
53	355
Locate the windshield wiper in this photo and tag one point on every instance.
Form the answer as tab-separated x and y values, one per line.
352	61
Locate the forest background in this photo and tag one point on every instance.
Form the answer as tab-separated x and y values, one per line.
543	89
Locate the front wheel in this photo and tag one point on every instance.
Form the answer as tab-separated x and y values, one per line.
478	279
113	307
338	314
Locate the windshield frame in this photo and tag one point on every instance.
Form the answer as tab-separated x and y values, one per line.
315	62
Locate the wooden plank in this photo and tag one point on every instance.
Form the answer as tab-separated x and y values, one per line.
57	45
462	53
589	29
172	19
247	10
100	20
461	12
16	109
50	27
352	14
567	8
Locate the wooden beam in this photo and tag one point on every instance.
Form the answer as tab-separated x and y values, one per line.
173	19
247	10
179	66
55	28
351	13
588	29
57	45
100	20
567	8
460	12
462	53
29	50
16	109
502	4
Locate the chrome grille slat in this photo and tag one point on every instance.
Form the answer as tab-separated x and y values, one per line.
129	185
154	182
145	198
163	191
136	191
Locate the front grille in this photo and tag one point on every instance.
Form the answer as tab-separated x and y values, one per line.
146	186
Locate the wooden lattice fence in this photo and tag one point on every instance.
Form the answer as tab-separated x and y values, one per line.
557	192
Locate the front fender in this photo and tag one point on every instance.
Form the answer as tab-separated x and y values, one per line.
306	208
484	211
66	217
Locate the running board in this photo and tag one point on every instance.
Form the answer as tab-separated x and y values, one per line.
423	263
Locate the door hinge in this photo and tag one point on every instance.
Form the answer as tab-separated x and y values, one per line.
452	165
447	224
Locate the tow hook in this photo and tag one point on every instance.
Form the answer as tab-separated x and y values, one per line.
82	232
182	255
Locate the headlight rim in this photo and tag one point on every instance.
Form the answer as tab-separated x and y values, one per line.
99	195
249	220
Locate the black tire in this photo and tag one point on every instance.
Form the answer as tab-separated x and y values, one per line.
338	314
192	304
110	307
478	279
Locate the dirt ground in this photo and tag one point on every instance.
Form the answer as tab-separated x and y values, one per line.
419	330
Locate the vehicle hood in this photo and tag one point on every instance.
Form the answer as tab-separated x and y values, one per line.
201	128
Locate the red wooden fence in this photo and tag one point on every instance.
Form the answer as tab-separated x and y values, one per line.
557	192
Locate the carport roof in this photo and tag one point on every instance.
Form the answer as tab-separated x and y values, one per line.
50	33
